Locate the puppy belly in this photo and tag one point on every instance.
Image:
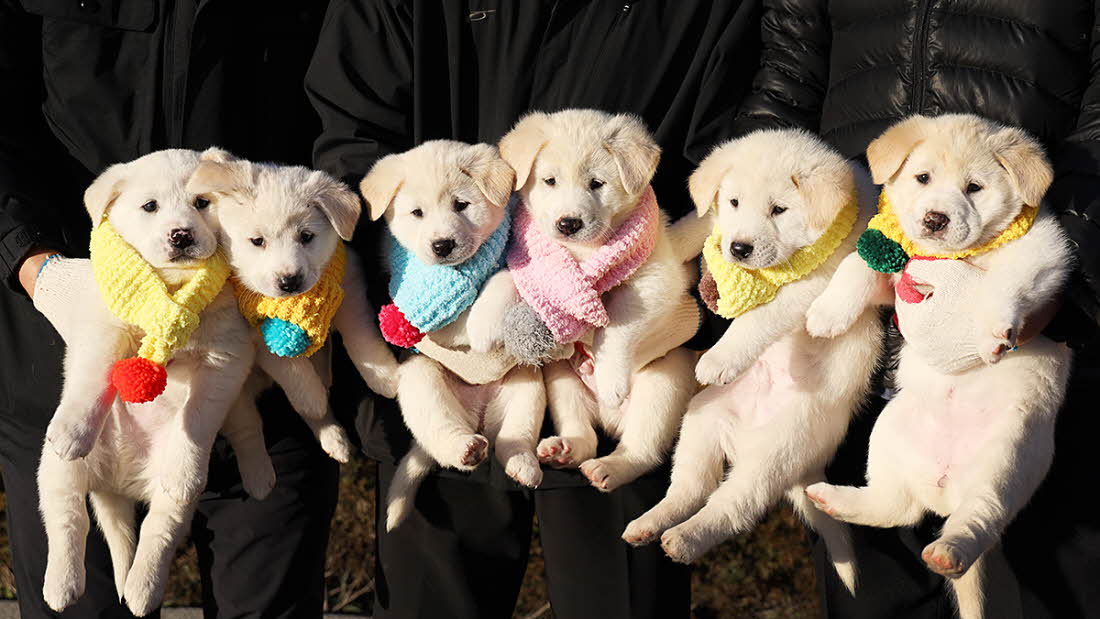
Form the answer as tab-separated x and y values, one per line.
769	388
474	398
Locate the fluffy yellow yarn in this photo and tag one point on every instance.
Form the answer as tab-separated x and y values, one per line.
741	289
886	222
312	311
135	293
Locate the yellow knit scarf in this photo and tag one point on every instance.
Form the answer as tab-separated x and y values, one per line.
297	325
886	222
134	293
740	289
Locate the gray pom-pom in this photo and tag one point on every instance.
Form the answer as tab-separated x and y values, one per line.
525	336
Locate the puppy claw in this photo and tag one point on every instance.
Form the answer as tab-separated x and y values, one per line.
476	448
524	469
639	533
820	494
679	546
944	559
559	451
609	473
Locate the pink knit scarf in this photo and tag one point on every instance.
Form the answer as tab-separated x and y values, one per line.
566	293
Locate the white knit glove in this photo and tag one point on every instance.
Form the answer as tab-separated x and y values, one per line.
942	327
67	295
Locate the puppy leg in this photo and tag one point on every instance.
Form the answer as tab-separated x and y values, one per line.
837	540
483	325
357	324
854	286
334	440
615	347
697	466
115	515
161	531
87	396
437	419
300	381
657	403
63	488
517	410
874	505
243	428
573	409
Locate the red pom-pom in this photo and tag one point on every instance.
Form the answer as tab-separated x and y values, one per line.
138	379
396	329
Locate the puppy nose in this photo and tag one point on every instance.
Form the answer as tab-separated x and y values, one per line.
741	250
181	238
569	225
443	247
934	221
290	283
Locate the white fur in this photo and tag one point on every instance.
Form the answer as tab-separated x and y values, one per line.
779	401
974	445
116	453
459	192
594	167
287	220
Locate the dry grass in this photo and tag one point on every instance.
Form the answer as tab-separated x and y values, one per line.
768	574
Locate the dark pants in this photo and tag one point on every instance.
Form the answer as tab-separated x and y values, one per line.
1052	547
257	558
462	552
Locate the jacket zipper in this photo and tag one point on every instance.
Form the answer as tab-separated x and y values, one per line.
916	103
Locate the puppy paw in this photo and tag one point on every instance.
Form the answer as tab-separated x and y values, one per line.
641	531
63	585
335	442
680	545
714	368
482	335
609	473
469	452
144	589
829	318
257	474
824	496
945	559
995	341
70	435
564	452
524	469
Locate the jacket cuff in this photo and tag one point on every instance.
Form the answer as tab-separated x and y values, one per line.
13	249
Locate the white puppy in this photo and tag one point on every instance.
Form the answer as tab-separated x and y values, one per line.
779	401
582	173
114	453
441	201
970	433
280	226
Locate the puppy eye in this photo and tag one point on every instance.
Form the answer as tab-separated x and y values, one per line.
460	205
595	184
973	188
305	237
550	181
201	203
417	213
778	210
257	241
923	178
150	206
733	202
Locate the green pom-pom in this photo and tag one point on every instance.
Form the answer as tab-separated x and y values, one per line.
880	253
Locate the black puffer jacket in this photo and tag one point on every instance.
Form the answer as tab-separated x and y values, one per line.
848	69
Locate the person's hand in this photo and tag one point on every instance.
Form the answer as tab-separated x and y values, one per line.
32	264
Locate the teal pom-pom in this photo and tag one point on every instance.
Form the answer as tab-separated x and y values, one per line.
881	253
283	338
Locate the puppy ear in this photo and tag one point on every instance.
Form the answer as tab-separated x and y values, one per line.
339	204
635	151
1026	163
494	177
381	184
103	191
520	146
219	173
704	181
826	189
887	154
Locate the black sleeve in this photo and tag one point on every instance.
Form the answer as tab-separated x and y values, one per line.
25	219
1075	194
789	87
360	83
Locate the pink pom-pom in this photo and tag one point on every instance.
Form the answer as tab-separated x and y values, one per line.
396	329
138	379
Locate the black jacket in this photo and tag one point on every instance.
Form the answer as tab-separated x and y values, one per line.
88	83
390	74
850	68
